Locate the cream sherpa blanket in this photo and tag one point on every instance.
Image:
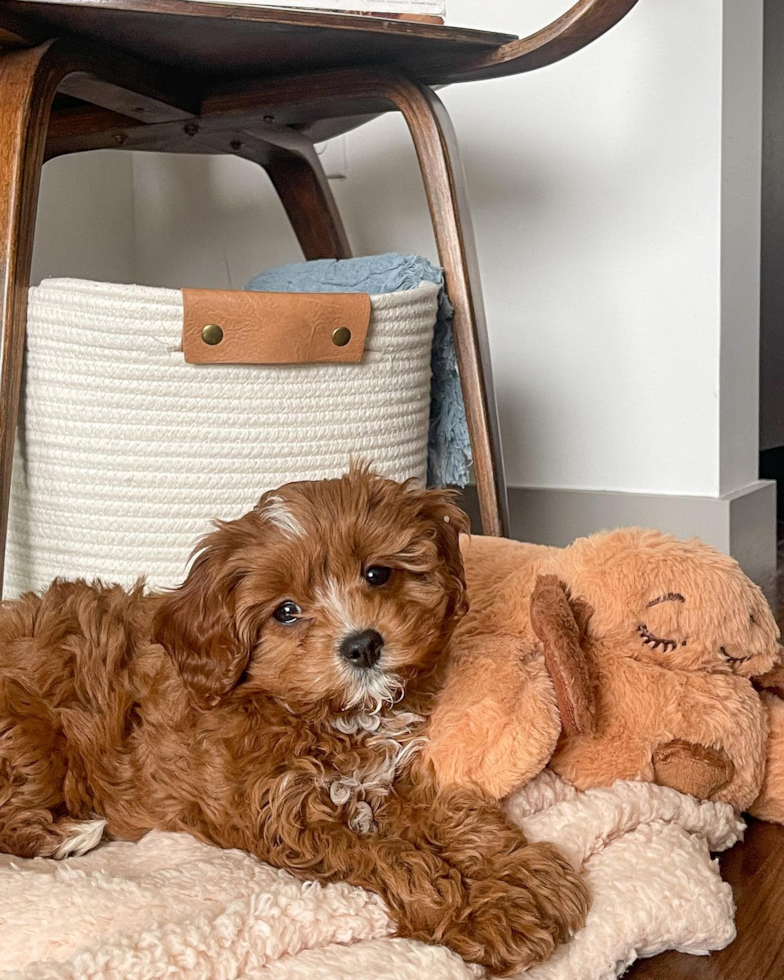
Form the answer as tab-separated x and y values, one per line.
170	907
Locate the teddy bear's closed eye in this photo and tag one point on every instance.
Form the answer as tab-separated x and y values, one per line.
654	642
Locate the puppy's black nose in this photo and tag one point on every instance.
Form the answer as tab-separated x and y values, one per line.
362	649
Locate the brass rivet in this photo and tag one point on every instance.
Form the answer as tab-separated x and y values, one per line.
212	334
341	336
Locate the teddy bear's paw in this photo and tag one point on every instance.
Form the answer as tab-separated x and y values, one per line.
698	770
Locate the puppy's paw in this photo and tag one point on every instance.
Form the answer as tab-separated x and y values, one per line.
501	929
558	892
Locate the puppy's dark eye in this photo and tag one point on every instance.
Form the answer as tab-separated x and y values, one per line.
377	575
287	613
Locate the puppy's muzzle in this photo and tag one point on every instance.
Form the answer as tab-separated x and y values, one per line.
362	649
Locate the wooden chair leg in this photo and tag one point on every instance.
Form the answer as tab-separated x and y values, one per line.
26	92
296	173
442	172
303	188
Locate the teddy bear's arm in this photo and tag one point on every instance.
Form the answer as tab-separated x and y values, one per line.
720	712
642	710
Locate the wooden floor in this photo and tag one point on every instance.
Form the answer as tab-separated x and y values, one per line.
755	869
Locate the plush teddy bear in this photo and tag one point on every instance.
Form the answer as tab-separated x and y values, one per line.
628	655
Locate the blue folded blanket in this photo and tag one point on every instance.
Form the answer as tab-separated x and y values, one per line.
449	449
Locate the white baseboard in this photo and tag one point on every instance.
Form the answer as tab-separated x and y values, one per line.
742	523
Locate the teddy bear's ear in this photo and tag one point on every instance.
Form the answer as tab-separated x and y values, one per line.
560	623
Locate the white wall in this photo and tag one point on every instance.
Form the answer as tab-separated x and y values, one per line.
598	191
615	198
206	221
85	226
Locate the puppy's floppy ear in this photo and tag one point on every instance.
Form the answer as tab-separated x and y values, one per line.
195	623
447	522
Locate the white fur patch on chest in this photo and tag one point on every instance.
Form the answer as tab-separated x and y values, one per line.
387	746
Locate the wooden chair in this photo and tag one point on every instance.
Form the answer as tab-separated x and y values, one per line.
263	84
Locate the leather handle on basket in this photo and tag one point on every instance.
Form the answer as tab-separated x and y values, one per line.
222	326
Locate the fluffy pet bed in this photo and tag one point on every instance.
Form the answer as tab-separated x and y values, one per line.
172	907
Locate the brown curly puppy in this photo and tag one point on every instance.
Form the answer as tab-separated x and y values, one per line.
276	702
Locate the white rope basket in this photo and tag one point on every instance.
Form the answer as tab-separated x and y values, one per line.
125	453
